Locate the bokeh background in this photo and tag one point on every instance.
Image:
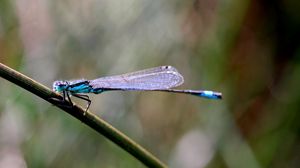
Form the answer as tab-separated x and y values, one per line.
248	50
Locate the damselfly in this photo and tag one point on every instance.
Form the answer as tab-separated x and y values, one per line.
161	78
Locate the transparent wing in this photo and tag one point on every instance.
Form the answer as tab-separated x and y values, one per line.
163	77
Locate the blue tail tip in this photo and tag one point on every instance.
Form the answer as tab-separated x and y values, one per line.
211	95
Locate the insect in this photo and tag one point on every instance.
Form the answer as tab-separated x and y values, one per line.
162	78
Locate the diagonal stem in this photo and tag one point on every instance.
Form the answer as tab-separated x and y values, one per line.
87	118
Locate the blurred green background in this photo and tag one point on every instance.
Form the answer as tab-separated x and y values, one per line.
248	50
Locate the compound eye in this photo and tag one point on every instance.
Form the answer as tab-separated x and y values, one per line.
58	85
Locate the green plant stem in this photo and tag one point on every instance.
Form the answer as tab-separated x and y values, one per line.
87	118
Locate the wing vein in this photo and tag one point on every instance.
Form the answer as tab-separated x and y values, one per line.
163	77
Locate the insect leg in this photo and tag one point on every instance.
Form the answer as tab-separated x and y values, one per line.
67	95
86	98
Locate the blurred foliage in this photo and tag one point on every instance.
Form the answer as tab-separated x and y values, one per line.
248	50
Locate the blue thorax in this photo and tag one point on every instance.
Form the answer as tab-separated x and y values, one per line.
75	86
